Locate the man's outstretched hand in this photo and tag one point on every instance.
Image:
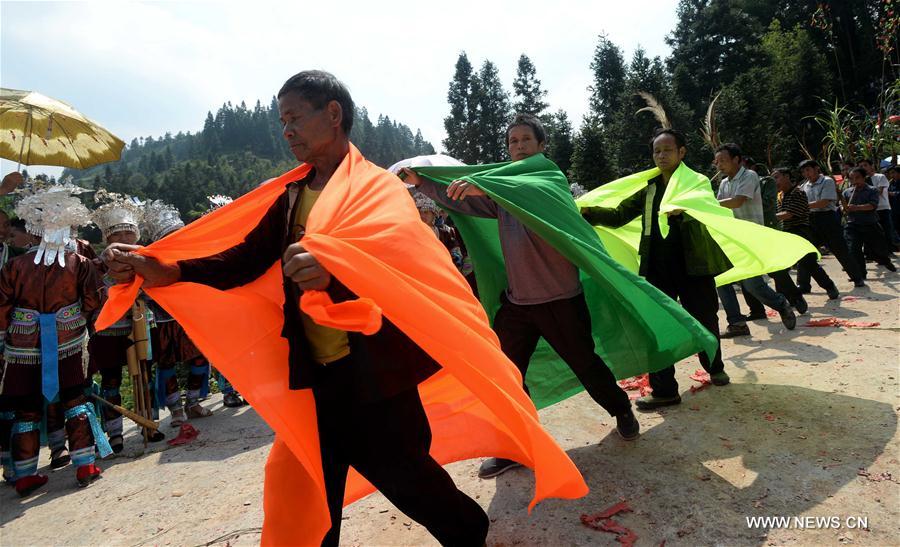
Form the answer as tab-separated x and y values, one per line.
123	264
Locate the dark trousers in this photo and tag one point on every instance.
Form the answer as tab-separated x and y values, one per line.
887	226
826	230
808	267
388	442
783	284
698	296
872	237
565	325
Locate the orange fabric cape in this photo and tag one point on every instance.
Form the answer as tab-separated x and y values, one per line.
366	231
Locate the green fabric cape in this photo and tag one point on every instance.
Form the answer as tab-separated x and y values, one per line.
636	327
752	249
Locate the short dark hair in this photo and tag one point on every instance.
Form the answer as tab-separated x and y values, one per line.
733	150
320	88
680	139
892	168
17	223
531	121
861	171
867	160
786	171
808	163
750	161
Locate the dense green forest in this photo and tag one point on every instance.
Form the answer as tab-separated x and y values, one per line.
237	149
791	77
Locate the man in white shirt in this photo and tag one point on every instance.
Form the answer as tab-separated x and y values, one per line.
740	192
881	184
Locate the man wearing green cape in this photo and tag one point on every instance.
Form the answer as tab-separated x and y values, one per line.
543	272
682	264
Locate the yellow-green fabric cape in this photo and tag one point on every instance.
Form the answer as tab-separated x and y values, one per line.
752	249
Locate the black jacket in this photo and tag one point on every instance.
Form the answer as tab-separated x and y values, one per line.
379	366
702	255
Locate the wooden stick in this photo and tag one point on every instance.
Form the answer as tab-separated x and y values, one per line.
136	418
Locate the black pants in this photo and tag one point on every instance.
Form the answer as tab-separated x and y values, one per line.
699	298
826	230
887	227
870	235
566	326
783	284
388	442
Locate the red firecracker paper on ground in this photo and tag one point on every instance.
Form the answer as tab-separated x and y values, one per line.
701	376
603	522
771	313
186	434
835	322
637	386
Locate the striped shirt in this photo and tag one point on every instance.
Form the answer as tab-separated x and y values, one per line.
794	202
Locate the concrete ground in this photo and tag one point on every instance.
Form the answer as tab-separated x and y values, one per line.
808	428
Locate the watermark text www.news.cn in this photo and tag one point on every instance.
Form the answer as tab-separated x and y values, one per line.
808	523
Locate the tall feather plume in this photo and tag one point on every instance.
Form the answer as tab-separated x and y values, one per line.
709	131
655	108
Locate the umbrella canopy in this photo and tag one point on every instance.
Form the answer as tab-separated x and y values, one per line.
38	130
425	161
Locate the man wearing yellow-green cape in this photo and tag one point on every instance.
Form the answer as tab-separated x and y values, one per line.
713	243
677	256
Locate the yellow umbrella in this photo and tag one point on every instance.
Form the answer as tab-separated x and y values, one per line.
38	130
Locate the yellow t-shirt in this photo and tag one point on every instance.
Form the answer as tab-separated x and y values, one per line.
328	345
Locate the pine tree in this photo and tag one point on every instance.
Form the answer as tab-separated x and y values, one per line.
590	164
608	67
460	125
493	115
527	89
559	146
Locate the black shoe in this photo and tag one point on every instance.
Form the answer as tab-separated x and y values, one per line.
59	458
232	400
805	290
492	467
800	305
651	402
756	316
117	443
719	378
890	266
628	426
736	330
859	283
788	318
833	293
156	436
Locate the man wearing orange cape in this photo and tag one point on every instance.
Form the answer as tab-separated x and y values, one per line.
317	294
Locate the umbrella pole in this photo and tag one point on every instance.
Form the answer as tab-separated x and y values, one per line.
28	124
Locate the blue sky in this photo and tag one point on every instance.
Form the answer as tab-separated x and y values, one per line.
144	68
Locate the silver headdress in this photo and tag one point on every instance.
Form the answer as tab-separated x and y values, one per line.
117	213
159	220
577	190
423	202
219	200
51	211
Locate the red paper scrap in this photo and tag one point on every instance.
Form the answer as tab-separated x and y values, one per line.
835	322
701	376
638	386
769	416
850	298
603	522
186	434
771	313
